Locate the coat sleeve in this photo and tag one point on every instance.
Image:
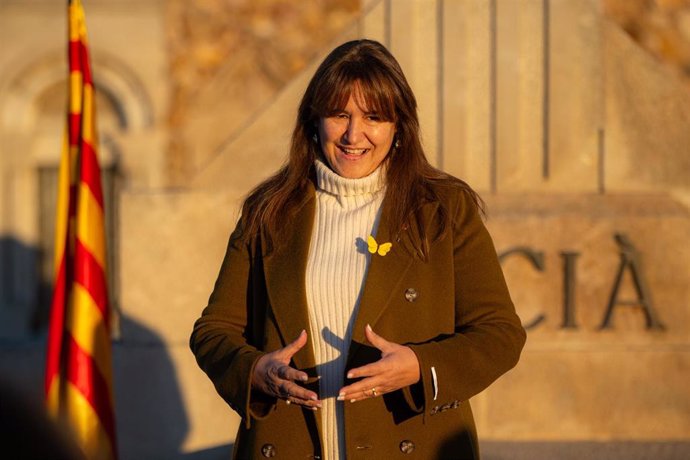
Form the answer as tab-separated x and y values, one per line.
222	341
488	336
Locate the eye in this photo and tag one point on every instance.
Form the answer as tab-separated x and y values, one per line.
374	117
338	115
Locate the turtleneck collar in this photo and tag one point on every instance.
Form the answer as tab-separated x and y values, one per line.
330	182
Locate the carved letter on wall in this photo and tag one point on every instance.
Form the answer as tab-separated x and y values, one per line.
569	280
630	261
537	260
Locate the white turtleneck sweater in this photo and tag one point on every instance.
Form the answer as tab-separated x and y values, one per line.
347	212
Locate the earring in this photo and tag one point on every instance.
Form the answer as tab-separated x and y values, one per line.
315	138
397	143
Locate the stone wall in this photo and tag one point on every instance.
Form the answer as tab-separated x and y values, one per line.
661	27
572	125
228	60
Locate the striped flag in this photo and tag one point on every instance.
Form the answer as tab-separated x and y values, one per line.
78	381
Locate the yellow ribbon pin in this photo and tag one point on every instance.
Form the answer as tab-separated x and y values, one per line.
382	249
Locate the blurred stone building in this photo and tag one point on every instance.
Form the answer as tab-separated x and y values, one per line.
570	117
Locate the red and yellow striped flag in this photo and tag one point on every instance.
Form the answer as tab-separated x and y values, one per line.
78	380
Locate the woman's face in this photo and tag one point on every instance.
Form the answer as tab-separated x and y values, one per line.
355	141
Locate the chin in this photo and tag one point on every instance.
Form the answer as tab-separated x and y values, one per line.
354	174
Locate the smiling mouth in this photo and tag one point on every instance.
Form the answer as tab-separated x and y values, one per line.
352	152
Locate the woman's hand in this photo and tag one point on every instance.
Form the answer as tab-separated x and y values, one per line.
397	368
274	376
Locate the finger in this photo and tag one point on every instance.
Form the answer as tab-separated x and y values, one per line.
359	389
293	347
308	403
373	392
368	370
376	340
357	397
290	373
300	395
281	388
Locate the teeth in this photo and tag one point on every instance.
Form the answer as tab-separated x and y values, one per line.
353	151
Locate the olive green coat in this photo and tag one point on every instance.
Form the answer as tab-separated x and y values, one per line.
454	311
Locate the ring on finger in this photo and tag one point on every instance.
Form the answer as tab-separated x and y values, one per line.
373	392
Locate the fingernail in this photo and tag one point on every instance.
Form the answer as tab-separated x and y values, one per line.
353	400
313	397
341	397
368	328
350	375
304	378
314	408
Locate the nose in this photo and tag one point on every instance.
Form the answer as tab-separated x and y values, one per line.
354	132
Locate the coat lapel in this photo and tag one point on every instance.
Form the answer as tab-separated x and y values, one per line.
285	270
384	278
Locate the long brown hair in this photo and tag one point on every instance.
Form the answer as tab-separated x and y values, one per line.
370	67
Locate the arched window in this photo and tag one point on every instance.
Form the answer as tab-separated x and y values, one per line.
32	117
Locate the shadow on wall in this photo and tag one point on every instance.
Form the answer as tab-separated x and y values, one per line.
24	295
151	419
152	423
150	415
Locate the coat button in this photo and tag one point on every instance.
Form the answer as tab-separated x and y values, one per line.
411	295
406	447
268	450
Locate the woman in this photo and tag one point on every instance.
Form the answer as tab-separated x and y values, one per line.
360	303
